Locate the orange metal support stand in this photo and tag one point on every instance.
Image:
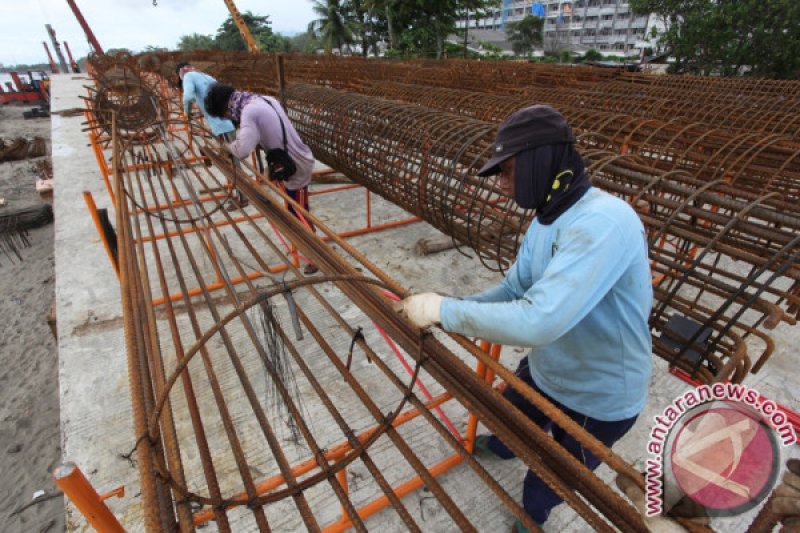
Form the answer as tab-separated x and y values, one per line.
69	478
89	199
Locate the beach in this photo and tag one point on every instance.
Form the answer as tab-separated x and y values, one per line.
29	411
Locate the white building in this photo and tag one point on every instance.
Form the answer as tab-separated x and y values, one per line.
608	26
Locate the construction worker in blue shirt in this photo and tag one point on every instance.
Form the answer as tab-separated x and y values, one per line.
195	86
579	294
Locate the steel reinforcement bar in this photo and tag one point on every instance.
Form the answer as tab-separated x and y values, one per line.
223	385
234	410
747	161
425	161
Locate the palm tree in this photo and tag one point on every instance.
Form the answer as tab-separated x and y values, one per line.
360	20
332	27
387	8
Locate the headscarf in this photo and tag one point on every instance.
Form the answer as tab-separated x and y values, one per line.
238	100
549	178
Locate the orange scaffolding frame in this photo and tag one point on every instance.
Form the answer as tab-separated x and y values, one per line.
340	450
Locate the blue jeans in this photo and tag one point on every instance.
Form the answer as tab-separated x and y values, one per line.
537	497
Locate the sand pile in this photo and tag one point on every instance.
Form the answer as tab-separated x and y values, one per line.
29	410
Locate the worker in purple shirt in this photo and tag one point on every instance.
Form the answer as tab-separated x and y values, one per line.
263	122
579	295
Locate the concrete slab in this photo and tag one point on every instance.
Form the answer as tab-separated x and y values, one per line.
95	403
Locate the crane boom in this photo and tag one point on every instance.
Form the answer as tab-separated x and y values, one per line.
243	29
86	29
56	48
53	66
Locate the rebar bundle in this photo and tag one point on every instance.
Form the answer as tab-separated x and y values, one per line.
425	161
429	157
21	148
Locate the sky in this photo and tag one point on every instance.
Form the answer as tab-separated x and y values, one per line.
131	24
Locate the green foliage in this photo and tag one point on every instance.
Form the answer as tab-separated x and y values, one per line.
490	47
457	50
526	34
592	55
274	42
302	42
229	38
492	50
195	41
394	53
368	28
727	37
334	28
151	48
25	67
112	51
419	28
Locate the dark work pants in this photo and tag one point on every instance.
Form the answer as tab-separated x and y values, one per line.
301	197
537	498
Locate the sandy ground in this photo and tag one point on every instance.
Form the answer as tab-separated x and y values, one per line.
29	409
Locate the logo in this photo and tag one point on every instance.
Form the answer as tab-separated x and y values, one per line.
715	451
498	148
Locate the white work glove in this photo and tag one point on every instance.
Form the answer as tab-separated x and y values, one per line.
422	310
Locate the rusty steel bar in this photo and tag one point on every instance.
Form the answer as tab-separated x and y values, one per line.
723	103
646	138
747	161
398	157
146	181
214	433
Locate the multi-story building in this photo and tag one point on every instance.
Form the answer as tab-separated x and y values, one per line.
605	25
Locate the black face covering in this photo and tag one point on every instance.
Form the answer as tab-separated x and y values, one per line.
550	179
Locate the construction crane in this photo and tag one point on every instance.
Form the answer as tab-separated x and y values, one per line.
252	47
72	63
86	29
56	48
53	66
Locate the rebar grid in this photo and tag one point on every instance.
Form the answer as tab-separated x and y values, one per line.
747	161
203	423
437	153
705	242
482	219
767	106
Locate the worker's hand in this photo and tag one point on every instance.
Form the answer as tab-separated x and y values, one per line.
422	310
786	498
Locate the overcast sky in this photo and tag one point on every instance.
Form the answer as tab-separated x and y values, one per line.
131	24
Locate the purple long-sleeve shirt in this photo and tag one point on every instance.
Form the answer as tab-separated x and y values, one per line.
259	125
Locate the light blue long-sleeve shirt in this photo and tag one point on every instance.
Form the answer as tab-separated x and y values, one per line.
580	294
195	89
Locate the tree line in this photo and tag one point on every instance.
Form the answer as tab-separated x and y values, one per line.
729	37
416	28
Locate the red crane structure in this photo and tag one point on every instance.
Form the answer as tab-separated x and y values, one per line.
86	29
53	65
72	63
